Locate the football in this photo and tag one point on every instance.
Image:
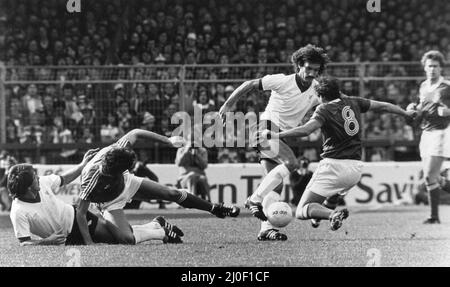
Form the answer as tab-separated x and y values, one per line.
279	214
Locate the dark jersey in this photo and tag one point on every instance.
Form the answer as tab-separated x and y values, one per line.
341	127
96	186
432	97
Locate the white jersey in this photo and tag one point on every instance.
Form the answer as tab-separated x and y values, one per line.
287	103
45	217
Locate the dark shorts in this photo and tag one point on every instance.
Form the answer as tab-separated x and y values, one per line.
75	237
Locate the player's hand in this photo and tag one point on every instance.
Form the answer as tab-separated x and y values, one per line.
411	107
57	238
413	117
410	115
177	141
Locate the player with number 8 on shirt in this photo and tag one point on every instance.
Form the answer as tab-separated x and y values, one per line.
339	118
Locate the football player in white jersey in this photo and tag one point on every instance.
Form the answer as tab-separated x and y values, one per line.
37	212
292	96
434	107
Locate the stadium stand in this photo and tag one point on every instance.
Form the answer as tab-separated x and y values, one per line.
135	63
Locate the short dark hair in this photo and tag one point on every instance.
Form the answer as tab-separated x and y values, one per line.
312	54
20	178
435	56
118	160
328	88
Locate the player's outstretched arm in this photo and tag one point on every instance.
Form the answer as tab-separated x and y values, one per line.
243	89
73	173
56	238
301	131
82	210
390	108
138	134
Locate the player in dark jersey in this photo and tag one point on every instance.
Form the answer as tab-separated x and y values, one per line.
339	118
433	107
106	180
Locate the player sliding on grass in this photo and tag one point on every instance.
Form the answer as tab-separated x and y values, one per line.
106	180
37	211
292	96
339	118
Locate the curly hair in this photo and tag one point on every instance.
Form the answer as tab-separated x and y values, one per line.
312	54
328	88
20	178
118	160
433	55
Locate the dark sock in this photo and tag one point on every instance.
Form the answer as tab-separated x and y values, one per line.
192	201
318	211
332	202
433	197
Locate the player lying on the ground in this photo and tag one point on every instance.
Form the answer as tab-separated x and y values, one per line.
106	180
37	211
291	98
434	115
339	118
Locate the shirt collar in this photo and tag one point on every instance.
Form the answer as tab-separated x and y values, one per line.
435	85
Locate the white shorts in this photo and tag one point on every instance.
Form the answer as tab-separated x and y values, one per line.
132	184
435	143
335	176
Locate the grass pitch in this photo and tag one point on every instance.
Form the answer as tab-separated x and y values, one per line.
391	236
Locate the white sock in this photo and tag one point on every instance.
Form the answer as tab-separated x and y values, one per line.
267	201
149	231
270	181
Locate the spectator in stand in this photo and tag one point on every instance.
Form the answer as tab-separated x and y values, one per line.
87	135
72	110
190	44
12	132
299	179
169	93
48	110
138	99
87	130
16	113
219	95
148	122
185	33
6	161
192	161
226	155
155	103
109	131
32	103
204	102
126	120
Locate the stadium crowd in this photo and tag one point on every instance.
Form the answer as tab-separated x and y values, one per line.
129	35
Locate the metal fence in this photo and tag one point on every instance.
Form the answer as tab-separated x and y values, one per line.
52	114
